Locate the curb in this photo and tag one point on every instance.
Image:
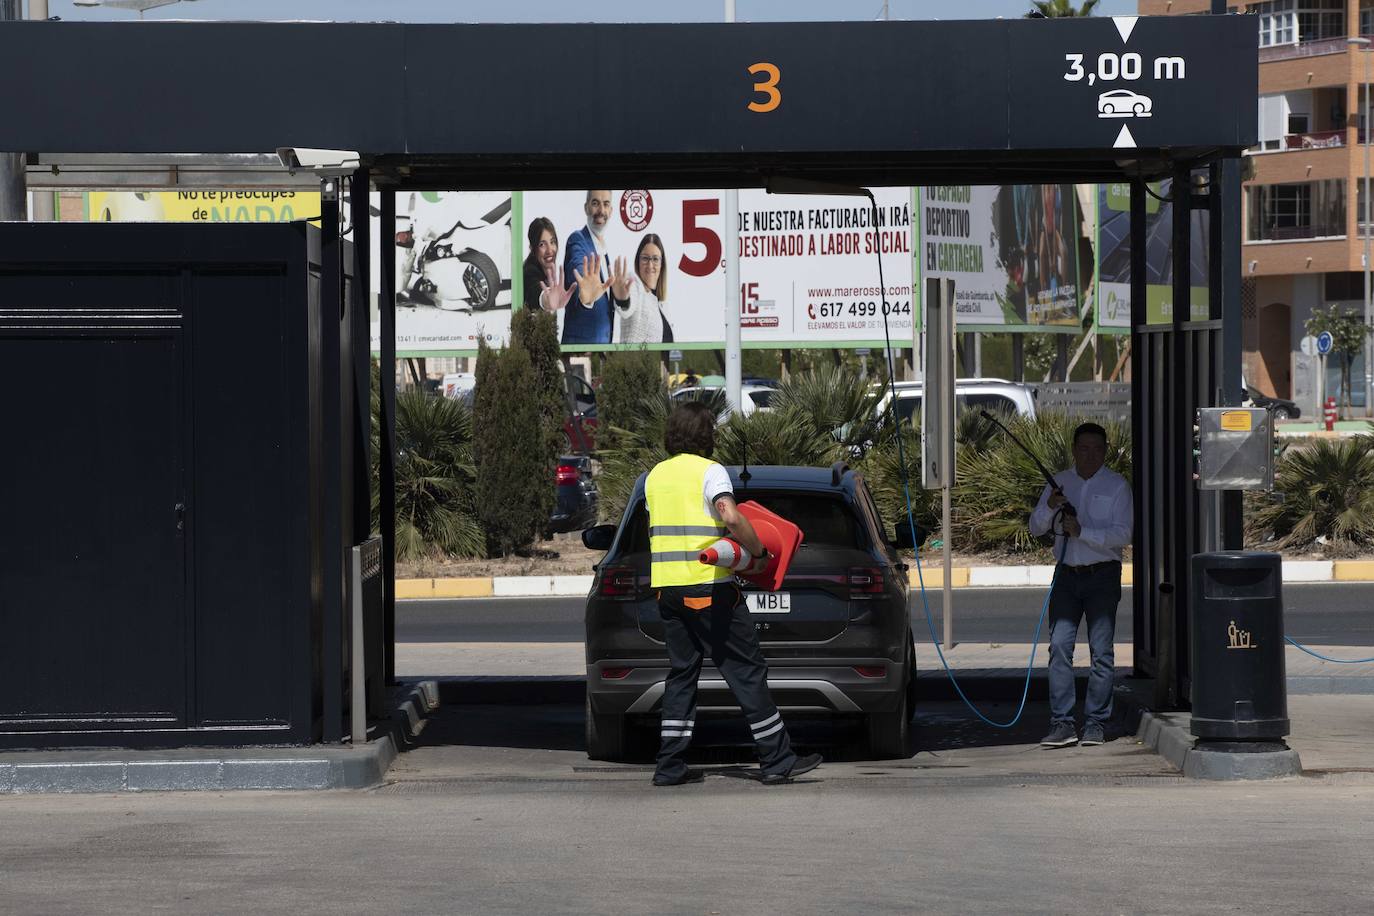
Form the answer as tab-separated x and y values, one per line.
314	767
204	770
1168	735
960	577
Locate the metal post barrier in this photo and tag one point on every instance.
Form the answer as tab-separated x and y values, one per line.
357	664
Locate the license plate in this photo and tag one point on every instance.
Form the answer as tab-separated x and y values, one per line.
769	602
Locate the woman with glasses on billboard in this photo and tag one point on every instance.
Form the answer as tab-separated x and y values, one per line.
639	314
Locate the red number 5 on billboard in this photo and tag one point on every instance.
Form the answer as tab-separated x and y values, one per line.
692	210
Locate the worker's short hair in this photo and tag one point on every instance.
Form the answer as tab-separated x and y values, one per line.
691	430
1089	429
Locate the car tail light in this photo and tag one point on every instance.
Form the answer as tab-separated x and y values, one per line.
871	670
405	239
566	474
618	582
615	674
865	581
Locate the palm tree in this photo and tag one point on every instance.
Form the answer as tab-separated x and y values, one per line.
1061	9
1323	490
435	473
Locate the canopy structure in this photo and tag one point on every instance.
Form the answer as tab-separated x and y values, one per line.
440	107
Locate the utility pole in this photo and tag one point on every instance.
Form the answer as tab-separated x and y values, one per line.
13	197
734	388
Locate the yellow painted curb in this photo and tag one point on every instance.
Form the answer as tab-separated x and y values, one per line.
1353	570
414	588
462	588
934	577
1127	574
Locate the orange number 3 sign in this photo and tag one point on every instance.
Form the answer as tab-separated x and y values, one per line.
767	85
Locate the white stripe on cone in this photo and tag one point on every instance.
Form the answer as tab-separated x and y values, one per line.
726	553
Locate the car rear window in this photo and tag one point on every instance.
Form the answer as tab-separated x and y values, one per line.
761	398
825	520
997	402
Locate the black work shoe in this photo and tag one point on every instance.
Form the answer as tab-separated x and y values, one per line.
684	779
799	766
1092	735
1061	735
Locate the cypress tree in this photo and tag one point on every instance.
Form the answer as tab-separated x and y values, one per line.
514	476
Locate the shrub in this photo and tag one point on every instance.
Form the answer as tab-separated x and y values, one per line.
435	473
777	436
627	377
536	332
833	402
1322	489
638	447
514	487
997	489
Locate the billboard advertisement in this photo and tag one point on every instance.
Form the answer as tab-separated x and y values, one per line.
1114	256
455	270
191	206
1011	251
808	267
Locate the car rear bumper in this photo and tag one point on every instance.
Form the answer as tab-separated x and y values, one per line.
813	686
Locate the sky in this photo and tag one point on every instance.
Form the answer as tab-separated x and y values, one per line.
568	11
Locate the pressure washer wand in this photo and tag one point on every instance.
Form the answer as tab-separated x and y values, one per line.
1067	508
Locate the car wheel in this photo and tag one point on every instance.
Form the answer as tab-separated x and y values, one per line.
481	279
605	735
889	733
1281	413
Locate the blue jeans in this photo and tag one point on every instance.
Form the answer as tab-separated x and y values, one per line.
1094	593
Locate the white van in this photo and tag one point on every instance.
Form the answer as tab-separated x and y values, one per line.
969	394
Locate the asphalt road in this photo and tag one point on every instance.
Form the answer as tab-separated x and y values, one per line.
1317	614
875	845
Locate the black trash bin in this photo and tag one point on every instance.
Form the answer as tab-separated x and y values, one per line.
1239	684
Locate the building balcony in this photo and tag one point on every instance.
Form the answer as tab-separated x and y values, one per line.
1322	139
1318	48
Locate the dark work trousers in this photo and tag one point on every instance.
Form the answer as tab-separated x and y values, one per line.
723	630
1093	592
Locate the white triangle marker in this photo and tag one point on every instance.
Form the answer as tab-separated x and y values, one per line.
1125	25
1124	140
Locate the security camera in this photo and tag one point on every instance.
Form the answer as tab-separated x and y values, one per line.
323	162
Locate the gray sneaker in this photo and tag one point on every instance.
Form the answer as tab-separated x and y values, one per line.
1061	735
1092	735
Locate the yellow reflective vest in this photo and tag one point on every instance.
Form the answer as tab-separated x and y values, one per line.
680	527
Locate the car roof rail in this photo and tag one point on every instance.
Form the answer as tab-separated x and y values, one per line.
837	471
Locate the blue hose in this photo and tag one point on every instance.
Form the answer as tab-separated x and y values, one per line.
911	519
1327	658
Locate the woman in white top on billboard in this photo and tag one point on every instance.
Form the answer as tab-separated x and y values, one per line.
639	316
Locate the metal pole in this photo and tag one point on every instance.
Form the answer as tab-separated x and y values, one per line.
733	376
386	306
1180	495
357	665
331	465
13	197
360	333
1144	632
1365	231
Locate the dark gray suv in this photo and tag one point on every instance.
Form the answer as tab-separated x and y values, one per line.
836	634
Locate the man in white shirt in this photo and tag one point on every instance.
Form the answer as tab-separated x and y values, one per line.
1087	582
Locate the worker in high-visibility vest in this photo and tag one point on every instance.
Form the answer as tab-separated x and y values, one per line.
691	505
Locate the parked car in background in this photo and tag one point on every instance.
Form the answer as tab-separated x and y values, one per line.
579	423
992	394
1280	408
753	397
836	634
577	494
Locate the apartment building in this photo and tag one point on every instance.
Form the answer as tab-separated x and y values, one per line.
1302	245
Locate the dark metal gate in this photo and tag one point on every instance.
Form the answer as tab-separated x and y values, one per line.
156	546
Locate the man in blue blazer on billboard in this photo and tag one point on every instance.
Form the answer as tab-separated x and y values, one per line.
584	321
